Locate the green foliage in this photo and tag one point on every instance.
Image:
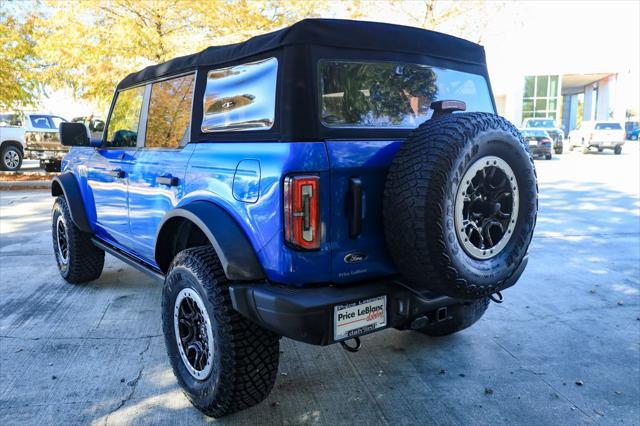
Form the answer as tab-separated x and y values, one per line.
89	46
18	84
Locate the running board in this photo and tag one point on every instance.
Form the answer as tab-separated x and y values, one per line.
128	259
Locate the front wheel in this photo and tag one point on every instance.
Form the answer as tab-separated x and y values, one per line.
223	362
547	156
77	258
11	159
558	151
458	318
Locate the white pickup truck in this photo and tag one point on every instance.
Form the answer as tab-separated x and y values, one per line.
34	136
598	134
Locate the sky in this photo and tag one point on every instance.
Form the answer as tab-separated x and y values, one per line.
524	37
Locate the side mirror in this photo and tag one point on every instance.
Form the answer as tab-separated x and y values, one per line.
74	134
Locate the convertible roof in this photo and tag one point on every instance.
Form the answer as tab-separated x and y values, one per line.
331	33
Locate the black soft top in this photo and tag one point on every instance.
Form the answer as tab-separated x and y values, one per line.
328	33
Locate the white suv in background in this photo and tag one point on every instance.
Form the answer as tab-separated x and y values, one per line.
30	135
598	134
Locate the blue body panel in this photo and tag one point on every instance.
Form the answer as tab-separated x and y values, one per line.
245	179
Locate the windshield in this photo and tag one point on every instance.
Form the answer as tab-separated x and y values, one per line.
608	126
392	94
545	123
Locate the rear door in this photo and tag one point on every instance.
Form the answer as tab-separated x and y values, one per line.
156	179
366	97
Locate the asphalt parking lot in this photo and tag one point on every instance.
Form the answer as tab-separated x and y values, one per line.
564	348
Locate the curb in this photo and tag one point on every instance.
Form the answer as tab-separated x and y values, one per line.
18	185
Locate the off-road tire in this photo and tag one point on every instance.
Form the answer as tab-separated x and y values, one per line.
16	153
245	355
84	260
459	317
617	150
419	196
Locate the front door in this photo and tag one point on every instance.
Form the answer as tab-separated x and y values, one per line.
157	176
109	167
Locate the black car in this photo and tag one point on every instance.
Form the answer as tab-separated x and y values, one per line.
539	142
547	124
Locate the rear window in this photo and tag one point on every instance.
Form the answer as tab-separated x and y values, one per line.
392	94
540	123
608	126
534	133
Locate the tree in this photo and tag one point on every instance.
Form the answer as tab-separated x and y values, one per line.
91	45
18	83
467	19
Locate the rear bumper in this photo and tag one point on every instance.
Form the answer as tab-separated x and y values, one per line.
538	151
307	314
606	144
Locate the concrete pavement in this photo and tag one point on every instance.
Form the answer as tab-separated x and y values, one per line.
564	348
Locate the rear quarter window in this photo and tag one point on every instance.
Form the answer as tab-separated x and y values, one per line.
392	94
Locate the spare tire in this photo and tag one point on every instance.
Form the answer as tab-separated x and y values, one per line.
460	205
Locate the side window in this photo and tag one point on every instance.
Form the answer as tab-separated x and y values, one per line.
125	117
241	98
169	112
40	122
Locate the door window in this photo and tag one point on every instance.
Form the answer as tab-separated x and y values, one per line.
125	117
169	112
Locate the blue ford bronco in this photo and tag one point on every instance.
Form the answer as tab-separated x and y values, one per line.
321	182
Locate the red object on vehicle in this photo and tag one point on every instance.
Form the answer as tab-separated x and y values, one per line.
302	211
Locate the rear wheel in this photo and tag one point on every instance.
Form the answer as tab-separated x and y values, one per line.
223	362
617	150
11	158
77	258
460	205
547	156
458	318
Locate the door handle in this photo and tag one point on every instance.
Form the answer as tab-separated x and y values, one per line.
117	173
167	180
355	214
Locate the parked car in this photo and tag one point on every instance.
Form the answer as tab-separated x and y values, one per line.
548	124
42	140
539	141
380	204
598	134
94	124
32	136
632	129
11	141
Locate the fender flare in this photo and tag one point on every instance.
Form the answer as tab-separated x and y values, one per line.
236	254
67	185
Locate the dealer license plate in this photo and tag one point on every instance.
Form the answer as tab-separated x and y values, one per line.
359	317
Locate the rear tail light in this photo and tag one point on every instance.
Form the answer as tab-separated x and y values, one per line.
302	211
